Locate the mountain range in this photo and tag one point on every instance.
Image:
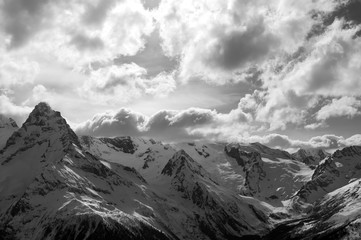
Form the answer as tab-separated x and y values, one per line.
57	185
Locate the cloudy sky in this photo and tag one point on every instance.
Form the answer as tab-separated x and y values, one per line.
286	73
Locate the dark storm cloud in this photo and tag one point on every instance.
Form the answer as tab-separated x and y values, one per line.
237	48
22	19
83	42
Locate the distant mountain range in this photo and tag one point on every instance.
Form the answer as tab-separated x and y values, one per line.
57	185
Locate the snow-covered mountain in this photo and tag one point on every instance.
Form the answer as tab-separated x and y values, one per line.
337	170
56	185
53	188
147	156
219	212
271	175
337	215
7	127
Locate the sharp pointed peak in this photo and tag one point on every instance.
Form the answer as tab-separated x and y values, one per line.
180	159
42	108
42	124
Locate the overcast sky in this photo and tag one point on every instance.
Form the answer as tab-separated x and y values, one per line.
286	73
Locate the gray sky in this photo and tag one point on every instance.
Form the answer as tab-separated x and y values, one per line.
286	73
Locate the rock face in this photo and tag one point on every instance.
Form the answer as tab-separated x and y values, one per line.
7	127
310	157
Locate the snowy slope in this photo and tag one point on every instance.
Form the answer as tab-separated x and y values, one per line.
7	127
274	176
147	156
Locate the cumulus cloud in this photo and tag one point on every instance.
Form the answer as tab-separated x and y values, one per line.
22	19
324	142
168	125
9	108
193	124
305	53
123	122
345	106
215	40
161	85
39	93
353	140
76	32
277	109
331	67
14	71
120	84
325	68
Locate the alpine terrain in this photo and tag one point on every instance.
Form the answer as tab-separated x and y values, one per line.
57	185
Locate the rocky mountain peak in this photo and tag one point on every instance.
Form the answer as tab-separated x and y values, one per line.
42	125
41	114
180	159
347	152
